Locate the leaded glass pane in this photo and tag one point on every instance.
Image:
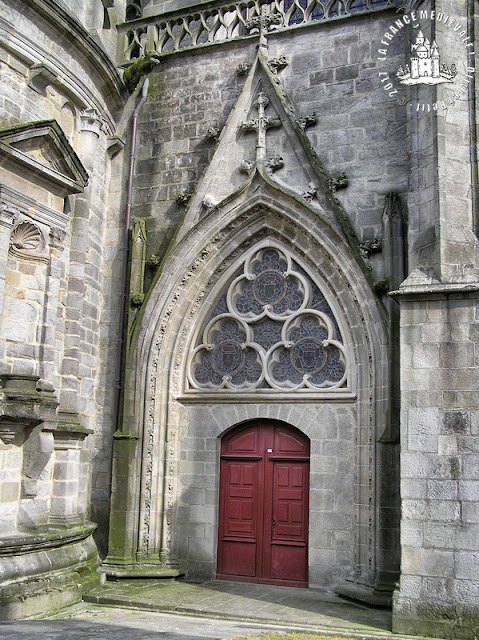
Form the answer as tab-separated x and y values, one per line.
271	328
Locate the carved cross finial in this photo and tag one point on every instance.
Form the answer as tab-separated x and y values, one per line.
262	24
261	124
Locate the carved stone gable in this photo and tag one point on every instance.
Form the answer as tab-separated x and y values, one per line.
42	149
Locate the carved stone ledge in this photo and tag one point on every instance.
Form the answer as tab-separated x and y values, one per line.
68	433
12	432
114	146
24	404
39	77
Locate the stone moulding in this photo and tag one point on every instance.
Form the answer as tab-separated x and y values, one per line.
46	570
48	539
24	404
217	21
81	39
46	69
19	203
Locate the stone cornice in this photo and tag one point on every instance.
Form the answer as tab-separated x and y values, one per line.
436	291
71	30
33	209
49	539
57	12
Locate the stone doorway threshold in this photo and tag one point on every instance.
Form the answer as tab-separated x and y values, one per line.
304	608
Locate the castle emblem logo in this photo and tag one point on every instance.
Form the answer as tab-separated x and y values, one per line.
425	65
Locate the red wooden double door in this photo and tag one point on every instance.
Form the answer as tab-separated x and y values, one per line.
263	513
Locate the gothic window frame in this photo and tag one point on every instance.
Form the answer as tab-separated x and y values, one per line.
331	329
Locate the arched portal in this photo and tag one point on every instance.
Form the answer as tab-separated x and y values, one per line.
264	504
261	313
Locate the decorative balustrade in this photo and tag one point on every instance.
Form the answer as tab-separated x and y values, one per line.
219	21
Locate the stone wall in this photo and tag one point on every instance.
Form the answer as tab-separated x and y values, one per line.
438	589
60	96
330	64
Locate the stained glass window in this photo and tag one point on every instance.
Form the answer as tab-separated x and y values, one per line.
272	328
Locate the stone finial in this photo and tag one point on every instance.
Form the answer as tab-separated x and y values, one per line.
24	404
257	24
261	124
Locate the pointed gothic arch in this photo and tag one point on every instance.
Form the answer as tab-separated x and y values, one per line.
164	465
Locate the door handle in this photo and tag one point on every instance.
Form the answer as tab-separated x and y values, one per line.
274	523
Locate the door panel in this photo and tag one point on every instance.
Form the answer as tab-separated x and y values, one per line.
264	491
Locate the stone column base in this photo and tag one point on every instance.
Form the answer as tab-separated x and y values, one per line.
44	572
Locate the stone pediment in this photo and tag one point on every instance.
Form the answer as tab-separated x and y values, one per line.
42	153
265	138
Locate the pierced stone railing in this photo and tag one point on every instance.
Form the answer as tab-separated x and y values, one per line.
218	21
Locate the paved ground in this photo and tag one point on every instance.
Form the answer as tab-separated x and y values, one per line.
95	622
161	610
242	600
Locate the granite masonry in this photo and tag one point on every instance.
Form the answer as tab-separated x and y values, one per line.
240	222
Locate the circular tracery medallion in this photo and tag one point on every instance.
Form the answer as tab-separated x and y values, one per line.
227	357
269	287
308	356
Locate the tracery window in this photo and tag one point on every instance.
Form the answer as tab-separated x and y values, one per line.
272	329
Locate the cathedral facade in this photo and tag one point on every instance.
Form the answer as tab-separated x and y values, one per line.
239	290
